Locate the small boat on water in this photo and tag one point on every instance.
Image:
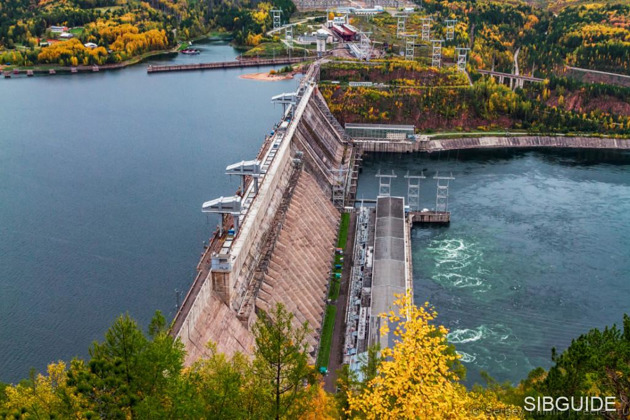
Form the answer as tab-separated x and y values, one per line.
190	51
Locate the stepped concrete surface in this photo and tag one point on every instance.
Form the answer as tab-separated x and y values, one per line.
299	270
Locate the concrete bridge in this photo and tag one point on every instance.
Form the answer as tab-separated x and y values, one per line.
515	80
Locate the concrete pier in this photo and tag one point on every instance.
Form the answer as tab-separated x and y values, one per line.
389	274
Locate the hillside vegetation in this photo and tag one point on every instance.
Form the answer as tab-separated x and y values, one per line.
121	28
429	99
593	35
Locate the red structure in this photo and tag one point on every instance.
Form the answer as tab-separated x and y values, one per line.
344	32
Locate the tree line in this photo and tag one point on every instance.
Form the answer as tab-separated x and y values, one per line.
133	374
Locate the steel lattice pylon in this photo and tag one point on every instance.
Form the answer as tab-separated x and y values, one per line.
385	183
289	38
339	187
450	29
441	199
365	45
436	58
400	30
426	28
462	57
410	43
413	191
277	18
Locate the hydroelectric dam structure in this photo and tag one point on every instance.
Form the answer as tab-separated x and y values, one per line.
277	237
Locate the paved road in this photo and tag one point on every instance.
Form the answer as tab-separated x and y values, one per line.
336	352
599	72
273	31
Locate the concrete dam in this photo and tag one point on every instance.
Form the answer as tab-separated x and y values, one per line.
277	238
278	244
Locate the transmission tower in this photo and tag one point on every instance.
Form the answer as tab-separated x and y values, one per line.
426	28
277	19
289	33
365	45
450	29
400	30
441	200
385	183
462	57
410	43
339	187
289	39
436	58
413	190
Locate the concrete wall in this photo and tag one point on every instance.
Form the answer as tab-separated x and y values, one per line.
489	142
321	143
300	264
526	141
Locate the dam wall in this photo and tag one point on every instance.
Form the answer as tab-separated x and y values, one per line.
321	138
283	248
300	266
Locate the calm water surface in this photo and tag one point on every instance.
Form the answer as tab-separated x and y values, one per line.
537	252
102	177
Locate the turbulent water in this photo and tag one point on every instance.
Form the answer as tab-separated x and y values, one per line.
102	177
537	252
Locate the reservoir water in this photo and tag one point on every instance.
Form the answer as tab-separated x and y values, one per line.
102	177
536	254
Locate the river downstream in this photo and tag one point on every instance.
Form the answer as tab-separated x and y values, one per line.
536	253
102	177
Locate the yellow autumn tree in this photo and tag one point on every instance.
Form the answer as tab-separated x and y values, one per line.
47	396
415	378
321	405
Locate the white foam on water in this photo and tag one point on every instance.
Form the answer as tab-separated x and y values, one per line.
466	357
458	264
494	333
465	335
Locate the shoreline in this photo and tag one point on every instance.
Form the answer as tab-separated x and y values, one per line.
44	69
266	77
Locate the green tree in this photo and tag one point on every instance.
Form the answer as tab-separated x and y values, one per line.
281	361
